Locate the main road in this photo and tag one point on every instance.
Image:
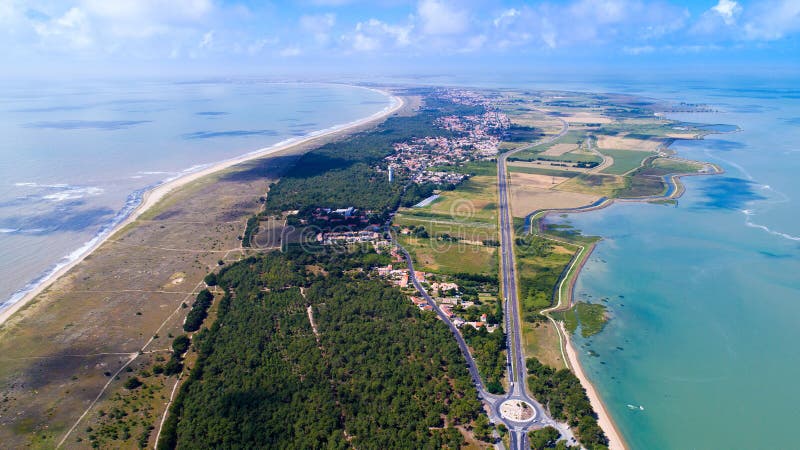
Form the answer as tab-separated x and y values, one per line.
517	371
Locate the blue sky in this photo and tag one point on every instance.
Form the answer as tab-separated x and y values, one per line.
317	37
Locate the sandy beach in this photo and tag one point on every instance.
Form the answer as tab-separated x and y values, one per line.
615	441
156	194
604	419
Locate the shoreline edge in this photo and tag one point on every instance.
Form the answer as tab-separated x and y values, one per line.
155	194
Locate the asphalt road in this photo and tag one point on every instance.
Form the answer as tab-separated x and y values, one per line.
517	371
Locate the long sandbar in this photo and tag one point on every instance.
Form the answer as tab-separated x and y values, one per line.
153	196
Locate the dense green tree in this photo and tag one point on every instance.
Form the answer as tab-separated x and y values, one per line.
199	311
487	349
180	344
173	366
379	374
543	438
210	279
132	383
342	173
482	428
562	393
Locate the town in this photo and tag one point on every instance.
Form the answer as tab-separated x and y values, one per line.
478	137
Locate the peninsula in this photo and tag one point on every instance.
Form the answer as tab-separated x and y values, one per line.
405	259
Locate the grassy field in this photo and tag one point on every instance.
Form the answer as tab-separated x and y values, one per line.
473	168
625	160
648	128
474	200
468	213
642	186
594	184
432	255
540	340
573	157
542	171
436	226
674	166
540	263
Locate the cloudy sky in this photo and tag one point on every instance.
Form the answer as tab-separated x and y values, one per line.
117	37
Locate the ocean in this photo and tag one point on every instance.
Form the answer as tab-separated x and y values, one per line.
75	158
704	297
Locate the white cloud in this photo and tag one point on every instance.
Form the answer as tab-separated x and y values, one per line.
256	46
773	20
374	35
70	30
440	18
208	40
728	10
319	26
644	49
290	51
146	18
364	43
474	44
590	22
506	16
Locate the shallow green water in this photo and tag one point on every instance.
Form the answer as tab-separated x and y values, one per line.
705	296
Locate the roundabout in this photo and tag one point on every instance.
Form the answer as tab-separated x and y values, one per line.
518	411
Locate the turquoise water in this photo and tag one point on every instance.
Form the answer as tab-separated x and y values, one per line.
705	296
75	158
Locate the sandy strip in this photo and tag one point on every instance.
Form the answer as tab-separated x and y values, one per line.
615	441
155	195
604	419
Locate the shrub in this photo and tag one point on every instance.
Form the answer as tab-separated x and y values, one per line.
180	344
132	383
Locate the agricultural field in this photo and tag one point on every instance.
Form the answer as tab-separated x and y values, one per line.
436	255
532	168
594	184
475	200
666	166
458	231
533	192
624	160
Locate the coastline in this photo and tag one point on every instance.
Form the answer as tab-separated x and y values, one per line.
675	189
604	419
153	195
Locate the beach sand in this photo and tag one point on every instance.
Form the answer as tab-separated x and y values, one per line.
615	441
155	195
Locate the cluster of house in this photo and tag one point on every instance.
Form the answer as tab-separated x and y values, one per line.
399	277
446	304
417	156
348	237
481	131
350	214
479	140
445	294
464	97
